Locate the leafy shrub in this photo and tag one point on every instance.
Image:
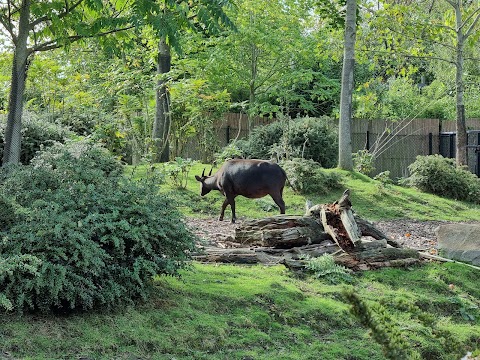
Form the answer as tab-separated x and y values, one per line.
178	171
37	132
231	151
261	140
96	237
308	177
315	139
364	162
438	175
325	267
308	138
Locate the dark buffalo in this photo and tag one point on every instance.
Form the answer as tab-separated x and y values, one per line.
249	178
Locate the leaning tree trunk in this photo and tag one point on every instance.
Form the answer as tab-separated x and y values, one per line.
345	132
13	136
162	123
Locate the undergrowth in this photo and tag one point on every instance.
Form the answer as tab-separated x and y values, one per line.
232	312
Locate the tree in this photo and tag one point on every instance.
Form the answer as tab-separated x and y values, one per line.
439	31
271	59
463	29
344	134
41	25
162	122
168	20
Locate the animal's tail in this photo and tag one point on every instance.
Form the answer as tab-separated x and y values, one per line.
289	183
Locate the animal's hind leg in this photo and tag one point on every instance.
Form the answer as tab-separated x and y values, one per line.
279	201
224	205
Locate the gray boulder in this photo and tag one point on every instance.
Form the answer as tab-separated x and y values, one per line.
460	242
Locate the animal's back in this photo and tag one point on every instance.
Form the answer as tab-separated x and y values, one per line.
252	178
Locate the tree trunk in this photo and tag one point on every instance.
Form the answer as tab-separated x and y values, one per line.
252	85
461	140
162	123
345	133
13	135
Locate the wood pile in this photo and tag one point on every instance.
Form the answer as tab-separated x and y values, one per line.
324	229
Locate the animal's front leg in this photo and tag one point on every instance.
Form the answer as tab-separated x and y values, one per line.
222	213
232	206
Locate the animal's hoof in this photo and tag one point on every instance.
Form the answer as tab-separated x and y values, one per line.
233	221
220	218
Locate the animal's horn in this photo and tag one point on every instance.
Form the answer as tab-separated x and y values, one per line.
210	173
203	172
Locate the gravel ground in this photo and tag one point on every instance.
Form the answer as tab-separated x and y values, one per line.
408	233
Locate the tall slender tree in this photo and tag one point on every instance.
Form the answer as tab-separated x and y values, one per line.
41	25
440	31
345	133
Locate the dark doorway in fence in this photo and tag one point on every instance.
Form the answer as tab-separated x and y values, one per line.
448	149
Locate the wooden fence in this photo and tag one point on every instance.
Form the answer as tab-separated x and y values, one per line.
395	144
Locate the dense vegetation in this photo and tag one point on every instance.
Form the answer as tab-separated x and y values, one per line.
83	237
440	176
281	59
77	234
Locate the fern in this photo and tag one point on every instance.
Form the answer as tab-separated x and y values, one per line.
326	268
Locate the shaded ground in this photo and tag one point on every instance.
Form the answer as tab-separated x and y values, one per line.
408	233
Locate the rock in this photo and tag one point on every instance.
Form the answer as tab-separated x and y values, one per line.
460	242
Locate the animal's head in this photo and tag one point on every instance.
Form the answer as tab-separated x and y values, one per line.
204	188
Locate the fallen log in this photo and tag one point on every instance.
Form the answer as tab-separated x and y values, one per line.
283	231
236	256
324	229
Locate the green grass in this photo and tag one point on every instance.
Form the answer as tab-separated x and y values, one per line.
370	200
255	312
234	312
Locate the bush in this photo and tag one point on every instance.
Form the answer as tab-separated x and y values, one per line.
308	177
37	133
97	237
232	151
438	175
364	162
262	139
307	138
178	171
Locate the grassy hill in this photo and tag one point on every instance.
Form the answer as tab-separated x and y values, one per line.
370	199
255	312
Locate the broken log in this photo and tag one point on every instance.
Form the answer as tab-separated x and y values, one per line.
338	222
283	231
324	229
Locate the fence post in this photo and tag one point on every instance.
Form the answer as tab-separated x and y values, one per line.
452	146
430	143
367	145
228	134
478	154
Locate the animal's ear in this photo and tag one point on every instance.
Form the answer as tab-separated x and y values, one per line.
198	178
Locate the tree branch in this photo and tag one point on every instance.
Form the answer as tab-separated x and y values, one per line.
410	56
472	26
8	26
53	44
68	10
